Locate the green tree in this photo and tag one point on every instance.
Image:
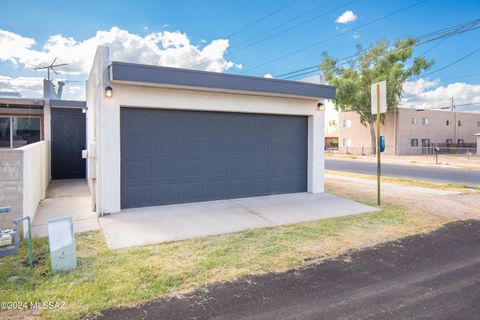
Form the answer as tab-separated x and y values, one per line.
380	61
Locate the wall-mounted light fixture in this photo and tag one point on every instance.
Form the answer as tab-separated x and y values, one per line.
108	92
320	106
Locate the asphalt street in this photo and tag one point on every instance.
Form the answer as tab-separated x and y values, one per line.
428	276
425	173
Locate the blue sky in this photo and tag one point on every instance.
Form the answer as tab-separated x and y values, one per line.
205	21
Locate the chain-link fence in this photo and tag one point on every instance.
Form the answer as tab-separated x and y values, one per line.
467	152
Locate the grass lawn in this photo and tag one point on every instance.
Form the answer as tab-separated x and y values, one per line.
106	278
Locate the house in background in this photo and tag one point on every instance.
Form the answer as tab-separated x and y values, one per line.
160	135
21	121
40	139
411	131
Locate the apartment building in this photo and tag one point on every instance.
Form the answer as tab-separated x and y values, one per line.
410	131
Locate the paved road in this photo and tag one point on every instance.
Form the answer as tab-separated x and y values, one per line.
440	174
433	276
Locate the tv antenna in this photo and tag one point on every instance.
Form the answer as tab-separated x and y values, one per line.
51	66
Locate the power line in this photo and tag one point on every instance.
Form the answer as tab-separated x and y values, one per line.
462	76
443	34
467	104
262	19
38	80
335	36
311	67
453	30
463	104
448	65
281	24
289	28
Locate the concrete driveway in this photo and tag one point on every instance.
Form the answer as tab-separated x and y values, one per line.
141	226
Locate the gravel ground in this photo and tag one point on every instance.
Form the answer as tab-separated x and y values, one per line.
432	206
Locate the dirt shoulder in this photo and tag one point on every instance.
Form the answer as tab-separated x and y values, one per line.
431	207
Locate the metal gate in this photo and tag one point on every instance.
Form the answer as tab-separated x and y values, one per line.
68	141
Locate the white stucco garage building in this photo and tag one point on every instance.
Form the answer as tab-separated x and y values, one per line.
170	135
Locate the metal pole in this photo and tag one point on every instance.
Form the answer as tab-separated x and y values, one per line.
30	245
29	234
379	171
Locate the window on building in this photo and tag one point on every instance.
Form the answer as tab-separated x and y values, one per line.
425	142
449	141
460	142
414	143
478	123
16	132
347	123
347	142
460	123
414	120
424	121
448	123
4	132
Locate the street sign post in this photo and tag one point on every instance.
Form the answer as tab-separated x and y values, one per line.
379	106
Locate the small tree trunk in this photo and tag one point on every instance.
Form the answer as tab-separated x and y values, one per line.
373	136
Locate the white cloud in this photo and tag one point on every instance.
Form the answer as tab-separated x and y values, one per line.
347	17
268	75
27	86
356	35
32	87
159	48
425	94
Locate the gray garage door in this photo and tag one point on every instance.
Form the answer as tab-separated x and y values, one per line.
171	156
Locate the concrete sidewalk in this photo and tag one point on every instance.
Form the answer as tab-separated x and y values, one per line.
65	198
141	226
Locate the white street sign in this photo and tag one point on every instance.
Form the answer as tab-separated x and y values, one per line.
383	97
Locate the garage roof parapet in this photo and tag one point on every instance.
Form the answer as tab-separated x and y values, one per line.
176	77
